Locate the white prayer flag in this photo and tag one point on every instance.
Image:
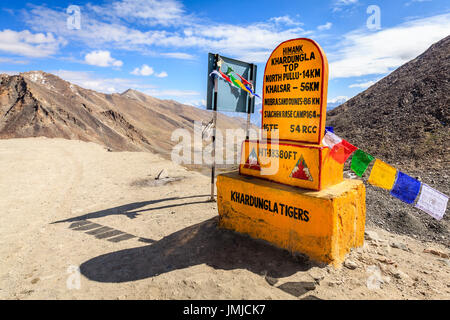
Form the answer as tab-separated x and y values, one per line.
330	139
432	202
216	73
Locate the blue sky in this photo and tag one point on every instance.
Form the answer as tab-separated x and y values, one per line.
161	47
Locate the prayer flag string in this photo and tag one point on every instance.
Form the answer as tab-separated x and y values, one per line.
382	175
228	76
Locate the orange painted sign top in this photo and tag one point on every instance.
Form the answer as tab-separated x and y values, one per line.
295	92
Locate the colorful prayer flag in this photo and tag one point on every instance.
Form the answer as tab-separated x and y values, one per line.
382	175
238	83
252	92
385	176
405	188
244	81
360	162
432	202
330	139
340	149
214	72
220	62
229	70
248	85
226	77
220	75
244	85
234	80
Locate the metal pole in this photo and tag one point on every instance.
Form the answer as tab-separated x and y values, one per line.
213	168
249	105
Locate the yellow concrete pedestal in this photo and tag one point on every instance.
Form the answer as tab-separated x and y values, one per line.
324	224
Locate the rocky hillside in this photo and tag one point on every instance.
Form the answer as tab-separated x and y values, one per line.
404	119
36	104
405	116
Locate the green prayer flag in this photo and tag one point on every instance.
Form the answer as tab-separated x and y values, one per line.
360	162
234	80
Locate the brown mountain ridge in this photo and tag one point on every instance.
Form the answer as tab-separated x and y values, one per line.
36	104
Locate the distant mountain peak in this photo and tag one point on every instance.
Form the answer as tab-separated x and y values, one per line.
128	91
35	76
339	99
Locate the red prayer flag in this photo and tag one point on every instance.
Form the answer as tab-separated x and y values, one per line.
341	151
225	76
243	80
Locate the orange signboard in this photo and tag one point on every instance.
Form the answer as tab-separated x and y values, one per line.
295	92
307	166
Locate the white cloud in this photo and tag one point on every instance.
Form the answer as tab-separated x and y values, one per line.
231	39
12	61
102	58
149	12
326	26
145	70
251	40
178	55
255	56
25	43
161	74
363	85
364	53
287	20
415	1
338	5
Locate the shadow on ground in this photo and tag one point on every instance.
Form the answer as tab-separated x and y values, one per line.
103	232
81	223
131	210
203	243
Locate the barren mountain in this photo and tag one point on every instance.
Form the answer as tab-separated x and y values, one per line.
36	104
403	119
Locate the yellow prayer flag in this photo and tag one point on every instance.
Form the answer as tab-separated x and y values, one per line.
382	175
242	86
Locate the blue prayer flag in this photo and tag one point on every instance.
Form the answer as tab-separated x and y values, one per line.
331	129
406	188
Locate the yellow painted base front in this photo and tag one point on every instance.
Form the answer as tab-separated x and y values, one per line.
324	224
